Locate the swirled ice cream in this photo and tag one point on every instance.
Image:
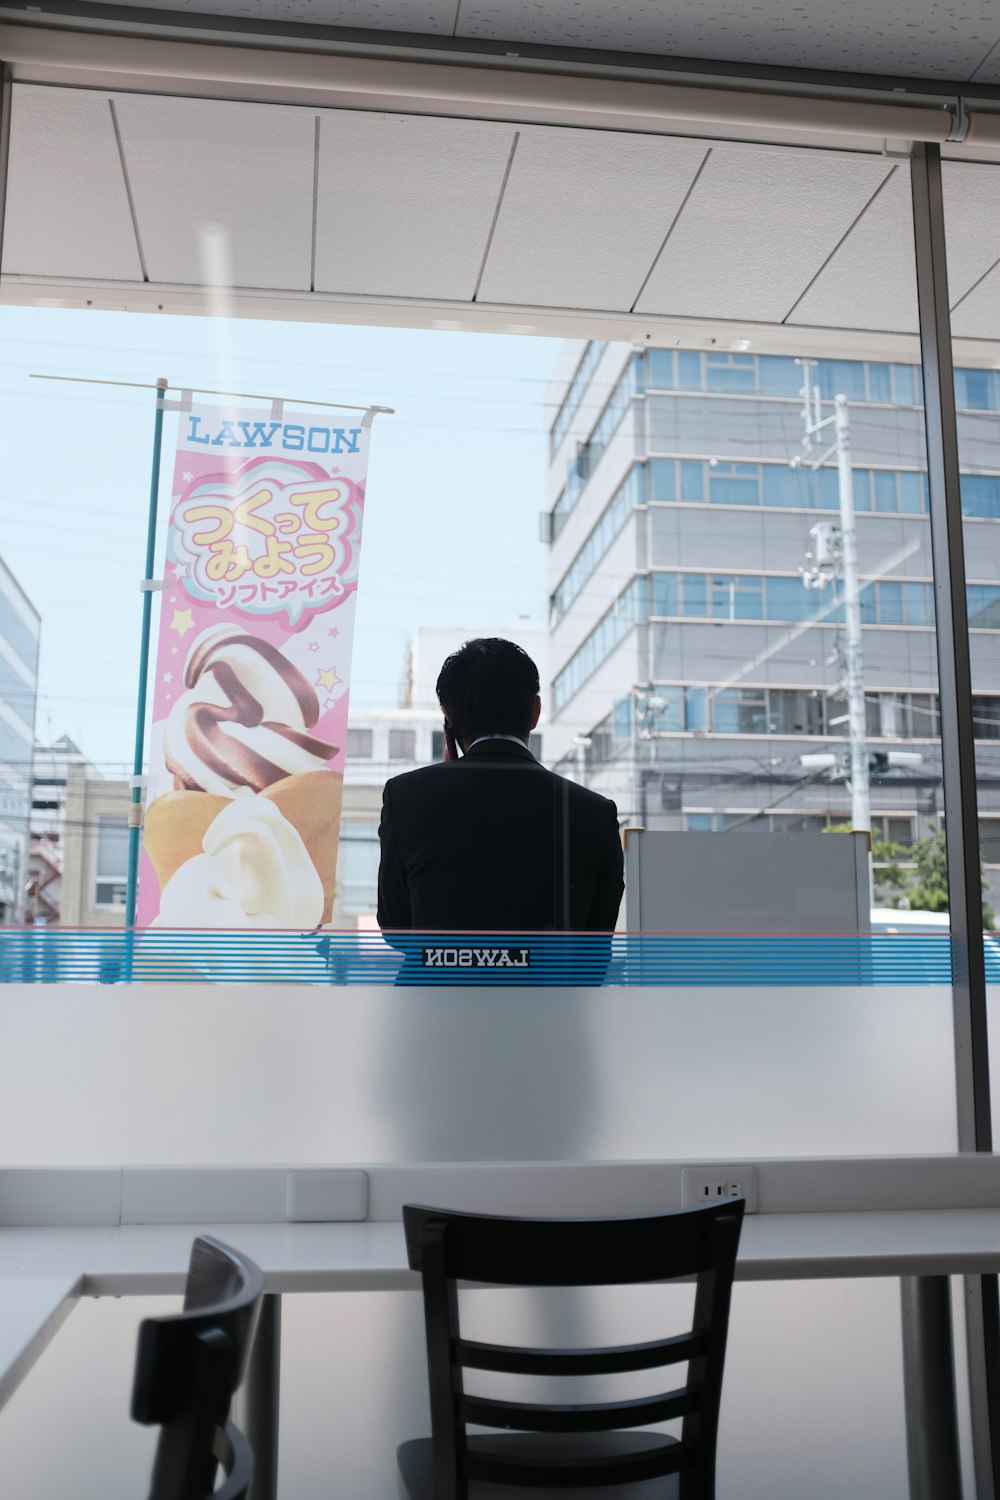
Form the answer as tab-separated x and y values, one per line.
244	719
254	871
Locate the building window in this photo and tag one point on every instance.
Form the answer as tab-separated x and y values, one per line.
989	840
357	867
402	744
360	744
589	361
112	862
437	744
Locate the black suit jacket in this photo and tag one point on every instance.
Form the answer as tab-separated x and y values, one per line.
494	842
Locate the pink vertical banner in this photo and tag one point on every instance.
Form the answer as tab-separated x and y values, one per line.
252	674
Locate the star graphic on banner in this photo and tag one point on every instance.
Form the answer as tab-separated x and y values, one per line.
180	570
314	645
168	676
173	598
187	476
182	622
330	703
333	631
173	651
327	678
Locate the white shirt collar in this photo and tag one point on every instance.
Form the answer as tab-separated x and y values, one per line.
514	739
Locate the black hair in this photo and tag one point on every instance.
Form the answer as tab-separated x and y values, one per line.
488	686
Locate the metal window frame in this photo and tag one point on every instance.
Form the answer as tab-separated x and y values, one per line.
958	756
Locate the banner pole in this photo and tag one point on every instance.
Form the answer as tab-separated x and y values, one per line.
135	810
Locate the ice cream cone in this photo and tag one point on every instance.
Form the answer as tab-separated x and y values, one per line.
311	801
174	827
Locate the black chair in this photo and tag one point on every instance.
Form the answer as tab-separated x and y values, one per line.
188	1366
570	1447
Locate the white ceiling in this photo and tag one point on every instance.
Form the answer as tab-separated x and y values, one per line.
939	39
125	190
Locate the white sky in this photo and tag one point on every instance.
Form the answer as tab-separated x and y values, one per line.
455	486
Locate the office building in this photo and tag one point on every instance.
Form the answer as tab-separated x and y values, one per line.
691	666
20	625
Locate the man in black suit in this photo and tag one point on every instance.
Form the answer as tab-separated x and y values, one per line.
489	840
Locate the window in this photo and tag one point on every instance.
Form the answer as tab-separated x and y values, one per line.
731	373
779	376
437	744
984	606
688	370
981	496
734	484
974	390
612	522
112	862
989	840
622	719
660	369
357	867
840	377
535	745
589	361
402	744
739	711
904	383
360	744
986	718
630	607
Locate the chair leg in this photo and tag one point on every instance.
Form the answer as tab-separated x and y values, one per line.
258	1400
929	1388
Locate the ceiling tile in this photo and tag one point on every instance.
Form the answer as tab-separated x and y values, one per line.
926	38
757	227
972	220
406	203
583	216
67	204
869	282
978	316
246	168
435	16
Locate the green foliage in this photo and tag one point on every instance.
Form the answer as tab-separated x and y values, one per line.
914	876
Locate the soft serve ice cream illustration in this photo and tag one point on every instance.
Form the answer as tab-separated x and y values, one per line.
248	836
252	671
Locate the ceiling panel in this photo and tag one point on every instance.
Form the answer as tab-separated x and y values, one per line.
436	16
67	205
869	281
245	168
406	203
978	316
583	216
926	38
756	229
972	220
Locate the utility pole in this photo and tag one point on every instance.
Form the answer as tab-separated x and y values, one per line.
836	557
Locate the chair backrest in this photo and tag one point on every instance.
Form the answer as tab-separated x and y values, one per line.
188	1366
450	1247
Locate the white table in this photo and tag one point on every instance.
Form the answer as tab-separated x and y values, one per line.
44	1272
918	1219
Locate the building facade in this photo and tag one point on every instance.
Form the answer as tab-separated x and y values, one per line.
95	849
20	626
691	666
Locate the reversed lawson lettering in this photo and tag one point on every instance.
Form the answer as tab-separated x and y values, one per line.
476	958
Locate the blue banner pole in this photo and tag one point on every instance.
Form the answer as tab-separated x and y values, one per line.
135	810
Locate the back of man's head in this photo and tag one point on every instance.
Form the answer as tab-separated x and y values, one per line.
488	686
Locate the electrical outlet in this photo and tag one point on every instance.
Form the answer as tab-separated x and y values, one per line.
716	1183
